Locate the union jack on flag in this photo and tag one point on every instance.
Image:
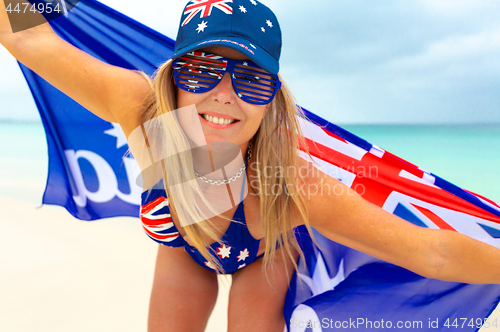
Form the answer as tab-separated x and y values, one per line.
204	7
341	284
398	186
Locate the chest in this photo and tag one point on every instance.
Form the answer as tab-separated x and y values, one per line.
251	208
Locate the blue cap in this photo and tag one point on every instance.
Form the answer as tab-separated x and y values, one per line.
246	26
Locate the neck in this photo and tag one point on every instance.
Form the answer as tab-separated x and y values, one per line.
219	160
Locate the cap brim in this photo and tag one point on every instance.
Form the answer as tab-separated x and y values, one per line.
254	52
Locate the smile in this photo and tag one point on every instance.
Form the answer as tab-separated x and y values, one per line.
216	120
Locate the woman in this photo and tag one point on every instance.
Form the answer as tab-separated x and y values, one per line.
180	283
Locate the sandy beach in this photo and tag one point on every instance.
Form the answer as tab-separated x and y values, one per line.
61	274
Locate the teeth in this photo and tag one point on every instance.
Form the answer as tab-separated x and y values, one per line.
216	120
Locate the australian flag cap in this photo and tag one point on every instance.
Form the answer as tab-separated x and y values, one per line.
246	26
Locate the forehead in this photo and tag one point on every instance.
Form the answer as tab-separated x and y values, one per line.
225	52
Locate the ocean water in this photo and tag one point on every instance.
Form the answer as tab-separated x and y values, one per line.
466	155
23	161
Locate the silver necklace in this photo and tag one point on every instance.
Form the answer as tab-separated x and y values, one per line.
231	179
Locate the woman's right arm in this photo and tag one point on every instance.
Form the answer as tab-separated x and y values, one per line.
112	93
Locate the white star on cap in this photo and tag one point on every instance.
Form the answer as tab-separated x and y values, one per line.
253	2
245	63
263	30
202	26
243	9
269	23
242	265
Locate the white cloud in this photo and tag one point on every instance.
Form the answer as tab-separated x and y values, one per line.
162	16
15	97
9	69
459	7
364	61
463	48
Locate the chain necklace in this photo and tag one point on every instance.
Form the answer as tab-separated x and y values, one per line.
231	179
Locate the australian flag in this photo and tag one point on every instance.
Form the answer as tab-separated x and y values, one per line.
92	176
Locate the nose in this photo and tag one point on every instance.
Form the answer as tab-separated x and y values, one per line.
223	91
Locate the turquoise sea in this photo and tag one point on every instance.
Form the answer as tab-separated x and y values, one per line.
466	155
23	161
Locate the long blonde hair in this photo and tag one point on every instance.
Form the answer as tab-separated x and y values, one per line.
275	143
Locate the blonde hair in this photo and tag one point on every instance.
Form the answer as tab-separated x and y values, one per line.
275	145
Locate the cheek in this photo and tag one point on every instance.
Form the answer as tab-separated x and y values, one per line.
263	111
181	97
185	98
256	115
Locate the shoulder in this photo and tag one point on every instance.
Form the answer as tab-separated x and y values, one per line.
313	177
129	108
323	194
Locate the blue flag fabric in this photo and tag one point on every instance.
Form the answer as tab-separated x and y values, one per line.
337	287
88	172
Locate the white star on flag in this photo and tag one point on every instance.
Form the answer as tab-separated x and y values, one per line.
243	9
243	255
253	46
242	265
210	265
321	281
245	63
223	251
269	23
117	132
263	30
202	26
253	2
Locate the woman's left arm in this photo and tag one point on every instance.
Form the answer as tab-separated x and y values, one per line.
345	217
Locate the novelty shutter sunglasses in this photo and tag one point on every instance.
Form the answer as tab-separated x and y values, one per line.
200	72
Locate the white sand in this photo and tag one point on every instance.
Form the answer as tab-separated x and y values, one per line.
58	273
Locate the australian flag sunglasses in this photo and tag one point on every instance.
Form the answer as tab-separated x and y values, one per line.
200	72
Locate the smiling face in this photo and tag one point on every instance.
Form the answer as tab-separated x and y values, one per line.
222	105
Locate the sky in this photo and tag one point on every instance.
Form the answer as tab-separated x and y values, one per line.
356	61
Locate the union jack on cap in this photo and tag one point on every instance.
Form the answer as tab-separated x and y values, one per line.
247	26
